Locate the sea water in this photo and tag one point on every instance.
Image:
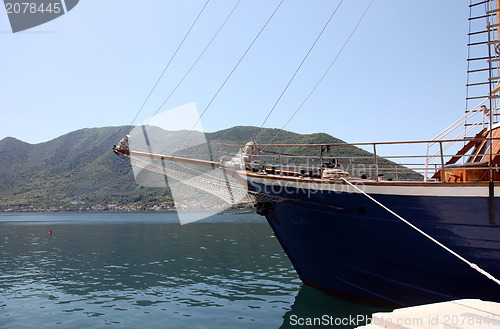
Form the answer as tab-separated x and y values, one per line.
145	270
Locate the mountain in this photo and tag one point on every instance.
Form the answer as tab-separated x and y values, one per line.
75	170
79	170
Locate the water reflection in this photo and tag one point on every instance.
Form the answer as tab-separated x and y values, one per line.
218	272
96	270
313	308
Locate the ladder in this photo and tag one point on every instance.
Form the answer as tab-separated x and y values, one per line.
483	60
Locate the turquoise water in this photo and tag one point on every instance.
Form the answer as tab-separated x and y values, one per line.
133	270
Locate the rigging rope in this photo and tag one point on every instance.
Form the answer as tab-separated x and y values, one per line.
296	71
231	73
228	189
197	60
474	266
167	66
326	72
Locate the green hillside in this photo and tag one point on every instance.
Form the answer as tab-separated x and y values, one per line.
73	171
79	170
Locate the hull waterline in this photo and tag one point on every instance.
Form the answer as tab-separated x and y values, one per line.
342	242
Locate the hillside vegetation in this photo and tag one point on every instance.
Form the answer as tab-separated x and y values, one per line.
79	171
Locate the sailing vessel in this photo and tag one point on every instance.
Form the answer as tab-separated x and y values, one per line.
406	233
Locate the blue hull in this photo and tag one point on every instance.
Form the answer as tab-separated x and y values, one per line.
344	243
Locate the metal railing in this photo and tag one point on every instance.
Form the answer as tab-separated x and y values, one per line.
460	135
280	159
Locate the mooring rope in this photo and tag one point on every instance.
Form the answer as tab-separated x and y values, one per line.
474	266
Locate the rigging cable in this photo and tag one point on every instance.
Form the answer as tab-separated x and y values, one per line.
197	60
231	73
168	64
474	266
296	71
320	80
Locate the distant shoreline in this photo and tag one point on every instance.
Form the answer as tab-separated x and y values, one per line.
7	211
123	209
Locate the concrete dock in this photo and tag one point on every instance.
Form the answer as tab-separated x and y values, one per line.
457	314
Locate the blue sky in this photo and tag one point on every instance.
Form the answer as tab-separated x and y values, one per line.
401	77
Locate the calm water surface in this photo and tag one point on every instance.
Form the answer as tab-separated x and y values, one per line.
133	270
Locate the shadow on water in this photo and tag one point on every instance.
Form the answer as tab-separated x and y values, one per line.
313	308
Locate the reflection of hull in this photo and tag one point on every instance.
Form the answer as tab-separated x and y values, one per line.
332	312
342	242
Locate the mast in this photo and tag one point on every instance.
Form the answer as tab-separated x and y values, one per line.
493	93
483	78
494	51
